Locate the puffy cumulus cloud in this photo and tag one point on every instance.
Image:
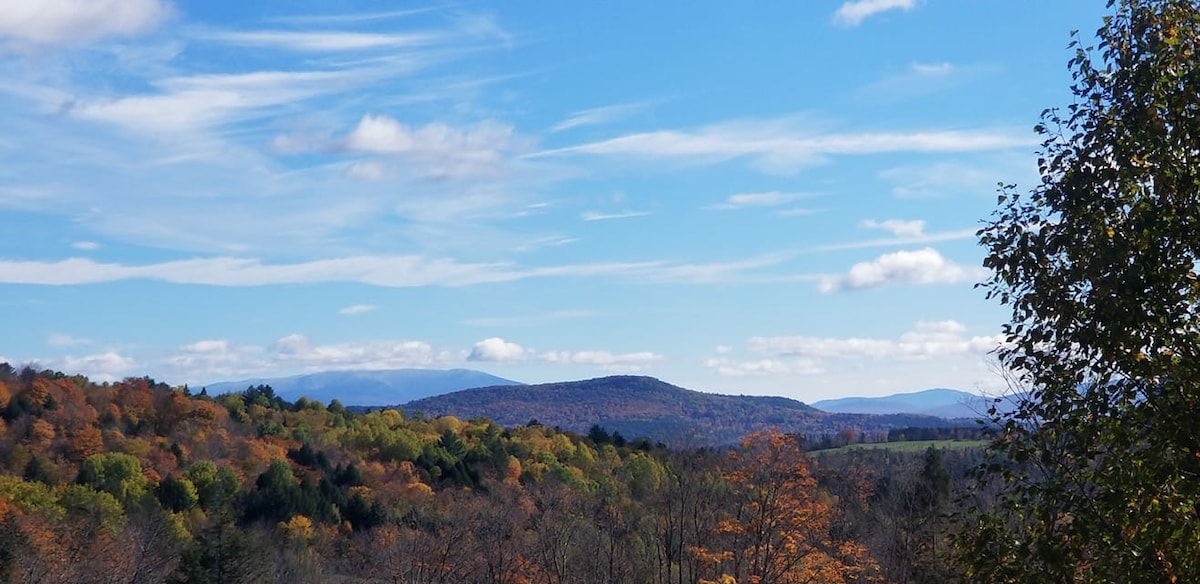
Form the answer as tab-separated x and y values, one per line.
496	349
855	12
440	149
73	22
922	266
612	361
354	309
897	227
104	366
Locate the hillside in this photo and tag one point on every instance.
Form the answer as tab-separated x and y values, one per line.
644	406
367	387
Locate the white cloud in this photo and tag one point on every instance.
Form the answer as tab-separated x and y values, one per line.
932	69
297	350
855	12
495	349
210	357
199	101
600	115
358	309
367	171
944	179
86	245
607	360
387	271
898	227
107	366
767	199
72	22
927	339
955	235
597	216
318	41
922	266
777	146
727	367
65	340
442	149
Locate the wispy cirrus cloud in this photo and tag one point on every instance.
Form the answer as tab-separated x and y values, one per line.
905	239
764	199
598	216
923	78
855	12
385	271
601	115
914	228
197	102
780	147
319	41
355	309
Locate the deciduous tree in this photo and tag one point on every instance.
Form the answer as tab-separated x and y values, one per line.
1100	465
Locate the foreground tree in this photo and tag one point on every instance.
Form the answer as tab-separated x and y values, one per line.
778	531
1100	475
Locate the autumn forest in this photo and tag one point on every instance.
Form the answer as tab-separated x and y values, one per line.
137	481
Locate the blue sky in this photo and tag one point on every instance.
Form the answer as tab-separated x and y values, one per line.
768	198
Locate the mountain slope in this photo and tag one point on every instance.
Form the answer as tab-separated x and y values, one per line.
368	387
945	403
644	406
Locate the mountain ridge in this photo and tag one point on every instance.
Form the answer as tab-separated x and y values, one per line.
941	402
368	387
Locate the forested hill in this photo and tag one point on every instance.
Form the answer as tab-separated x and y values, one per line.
637	406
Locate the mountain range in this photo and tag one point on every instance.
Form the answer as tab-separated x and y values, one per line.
943	403
368	387
637	406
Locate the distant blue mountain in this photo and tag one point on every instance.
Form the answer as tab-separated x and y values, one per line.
943	403
368	387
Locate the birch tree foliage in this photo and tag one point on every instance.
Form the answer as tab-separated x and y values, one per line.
1098	467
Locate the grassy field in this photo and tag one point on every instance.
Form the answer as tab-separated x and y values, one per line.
908	446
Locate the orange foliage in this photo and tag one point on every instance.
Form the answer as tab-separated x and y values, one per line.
779	530
41	433
84	442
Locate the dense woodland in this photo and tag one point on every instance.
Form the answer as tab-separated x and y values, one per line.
136	481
